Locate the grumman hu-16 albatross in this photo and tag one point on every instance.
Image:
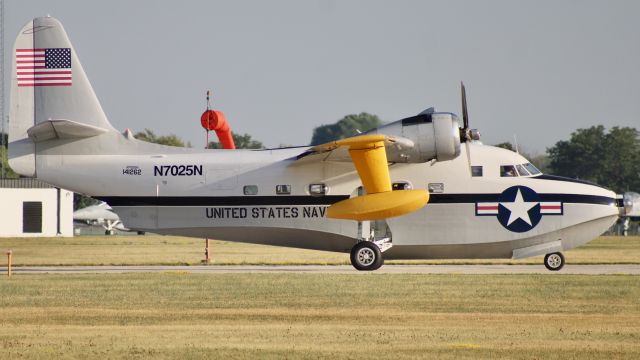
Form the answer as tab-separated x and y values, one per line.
406	190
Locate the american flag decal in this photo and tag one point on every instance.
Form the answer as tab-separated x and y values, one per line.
43	67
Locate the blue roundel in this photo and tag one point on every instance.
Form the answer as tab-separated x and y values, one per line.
519	209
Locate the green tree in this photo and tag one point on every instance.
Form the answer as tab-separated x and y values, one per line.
4	160
505	145
622	159
80	201
241	141
580	157
149	136
345	127
609	159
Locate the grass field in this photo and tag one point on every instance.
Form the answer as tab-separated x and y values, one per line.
171	250
181	315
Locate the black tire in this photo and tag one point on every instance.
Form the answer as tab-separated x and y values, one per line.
366	256
141	232
108	232
554	261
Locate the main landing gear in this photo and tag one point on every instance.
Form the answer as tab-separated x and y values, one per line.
367	255
554	261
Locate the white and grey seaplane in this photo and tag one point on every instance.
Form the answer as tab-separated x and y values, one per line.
417	188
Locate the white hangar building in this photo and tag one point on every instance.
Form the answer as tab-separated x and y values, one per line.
30	208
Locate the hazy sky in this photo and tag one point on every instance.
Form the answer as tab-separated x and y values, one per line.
537	69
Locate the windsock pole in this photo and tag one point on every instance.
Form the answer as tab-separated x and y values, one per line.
206	146
207	241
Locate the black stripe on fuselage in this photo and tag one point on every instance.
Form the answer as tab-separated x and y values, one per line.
327	200
565	198
220	200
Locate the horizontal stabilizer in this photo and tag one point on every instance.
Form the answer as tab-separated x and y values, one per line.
62	129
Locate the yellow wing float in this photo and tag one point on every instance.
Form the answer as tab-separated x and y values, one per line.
370	160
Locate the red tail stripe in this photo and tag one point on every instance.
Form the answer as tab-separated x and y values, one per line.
47	84
44	72
45	78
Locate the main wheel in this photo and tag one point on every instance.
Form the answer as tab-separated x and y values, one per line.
366	256
108	232
554	261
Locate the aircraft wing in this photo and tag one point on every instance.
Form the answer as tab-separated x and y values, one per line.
396	148
369	156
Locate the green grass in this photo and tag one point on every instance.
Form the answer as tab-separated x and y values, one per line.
171	250
182	315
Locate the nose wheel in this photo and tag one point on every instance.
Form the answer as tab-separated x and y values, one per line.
366	256
554	261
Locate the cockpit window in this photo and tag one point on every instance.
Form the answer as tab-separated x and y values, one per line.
476	171
508	171
522	171
532	169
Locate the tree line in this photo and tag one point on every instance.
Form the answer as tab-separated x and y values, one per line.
609	158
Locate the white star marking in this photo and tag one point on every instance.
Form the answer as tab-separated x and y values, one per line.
519	209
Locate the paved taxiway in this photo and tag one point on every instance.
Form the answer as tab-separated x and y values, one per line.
341	269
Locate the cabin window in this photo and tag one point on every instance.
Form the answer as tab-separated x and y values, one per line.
532	169
476	171
283	189
250	189
436	188
522	171
318	189
401	185
508	171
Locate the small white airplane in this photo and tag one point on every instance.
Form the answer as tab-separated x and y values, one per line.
100	215
631	202
406	190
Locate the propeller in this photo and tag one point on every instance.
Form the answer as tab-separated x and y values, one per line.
465	111
466	134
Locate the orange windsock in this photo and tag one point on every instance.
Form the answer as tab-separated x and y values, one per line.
214	120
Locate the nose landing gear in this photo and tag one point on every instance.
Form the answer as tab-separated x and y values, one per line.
554	261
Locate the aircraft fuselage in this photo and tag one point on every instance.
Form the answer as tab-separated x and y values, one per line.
263	197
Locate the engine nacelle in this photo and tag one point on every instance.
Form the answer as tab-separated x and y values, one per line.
434	136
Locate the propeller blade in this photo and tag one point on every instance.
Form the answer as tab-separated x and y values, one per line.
465	132
465	113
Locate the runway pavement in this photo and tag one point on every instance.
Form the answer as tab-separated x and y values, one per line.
335	269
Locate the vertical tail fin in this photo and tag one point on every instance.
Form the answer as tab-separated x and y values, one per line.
48	83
